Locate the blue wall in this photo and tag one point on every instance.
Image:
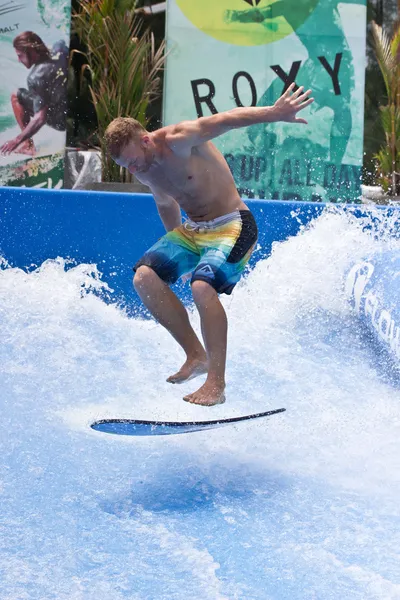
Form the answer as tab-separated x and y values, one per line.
112	230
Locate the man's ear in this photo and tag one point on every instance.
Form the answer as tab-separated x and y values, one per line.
144	141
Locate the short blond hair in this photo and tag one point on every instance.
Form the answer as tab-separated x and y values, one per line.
120	132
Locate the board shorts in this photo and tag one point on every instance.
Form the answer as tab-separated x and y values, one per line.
216	251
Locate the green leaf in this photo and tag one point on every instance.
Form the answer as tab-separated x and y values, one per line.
123	64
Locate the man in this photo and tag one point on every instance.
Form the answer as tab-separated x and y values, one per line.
44	102
185	170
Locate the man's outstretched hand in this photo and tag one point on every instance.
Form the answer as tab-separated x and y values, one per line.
289	104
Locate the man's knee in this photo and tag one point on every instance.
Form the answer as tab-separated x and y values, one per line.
18	102
143	276
203	292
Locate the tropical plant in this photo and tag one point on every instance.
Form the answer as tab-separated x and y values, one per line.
124	67
387	50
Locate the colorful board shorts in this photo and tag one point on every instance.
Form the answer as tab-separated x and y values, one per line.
214	251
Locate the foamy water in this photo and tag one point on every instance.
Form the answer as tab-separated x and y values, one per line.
301	506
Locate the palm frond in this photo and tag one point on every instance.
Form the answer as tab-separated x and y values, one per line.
387	50
384	56
395	42
123	63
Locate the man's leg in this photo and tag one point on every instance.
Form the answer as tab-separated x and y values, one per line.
214	327
22	118
170	312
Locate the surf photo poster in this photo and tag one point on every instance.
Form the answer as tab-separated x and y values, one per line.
34	46
232	53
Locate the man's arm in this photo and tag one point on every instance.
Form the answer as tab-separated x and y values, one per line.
185	135
168	209
33	127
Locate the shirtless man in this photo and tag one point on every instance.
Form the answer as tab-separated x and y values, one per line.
185	170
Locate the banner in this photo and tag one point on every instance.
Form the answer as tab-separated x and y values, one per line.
230	53
34	42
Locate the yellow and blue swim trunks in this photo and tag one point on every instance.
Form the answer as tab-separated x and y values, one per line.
214	251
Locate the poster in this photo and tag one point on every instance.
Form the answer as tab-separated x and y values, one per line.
228	53
34	43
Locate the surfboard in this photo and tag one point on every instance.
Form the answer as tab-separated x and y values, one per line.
142	428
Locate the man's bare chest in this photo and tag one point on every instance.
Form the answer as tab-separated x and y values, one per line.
172	176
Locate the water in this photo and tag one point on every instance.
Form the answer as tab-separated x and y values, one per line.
301	506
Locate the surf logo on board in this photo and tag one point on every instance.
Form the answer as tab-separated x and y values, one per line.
357	281
369	306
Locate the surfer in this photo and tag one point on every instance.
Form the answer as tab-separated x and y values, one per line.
44	101
184	170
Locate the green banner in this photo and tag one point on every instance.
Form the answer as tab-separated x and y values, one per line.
34	42
229	53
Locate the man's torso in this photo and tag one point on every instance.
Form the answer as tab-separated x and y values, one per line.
201	183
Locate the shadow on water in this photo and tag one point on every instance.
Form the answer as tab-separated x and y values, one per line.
192	490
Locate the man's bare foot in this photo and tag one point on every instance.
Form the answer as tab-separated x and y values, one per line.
27	147
208	395
190	369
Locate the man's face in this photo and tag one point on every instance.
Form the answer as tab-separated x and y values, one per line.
136	157
24	58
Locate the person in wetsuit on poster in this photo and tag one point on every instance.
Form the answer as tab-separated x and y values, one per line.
44	101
